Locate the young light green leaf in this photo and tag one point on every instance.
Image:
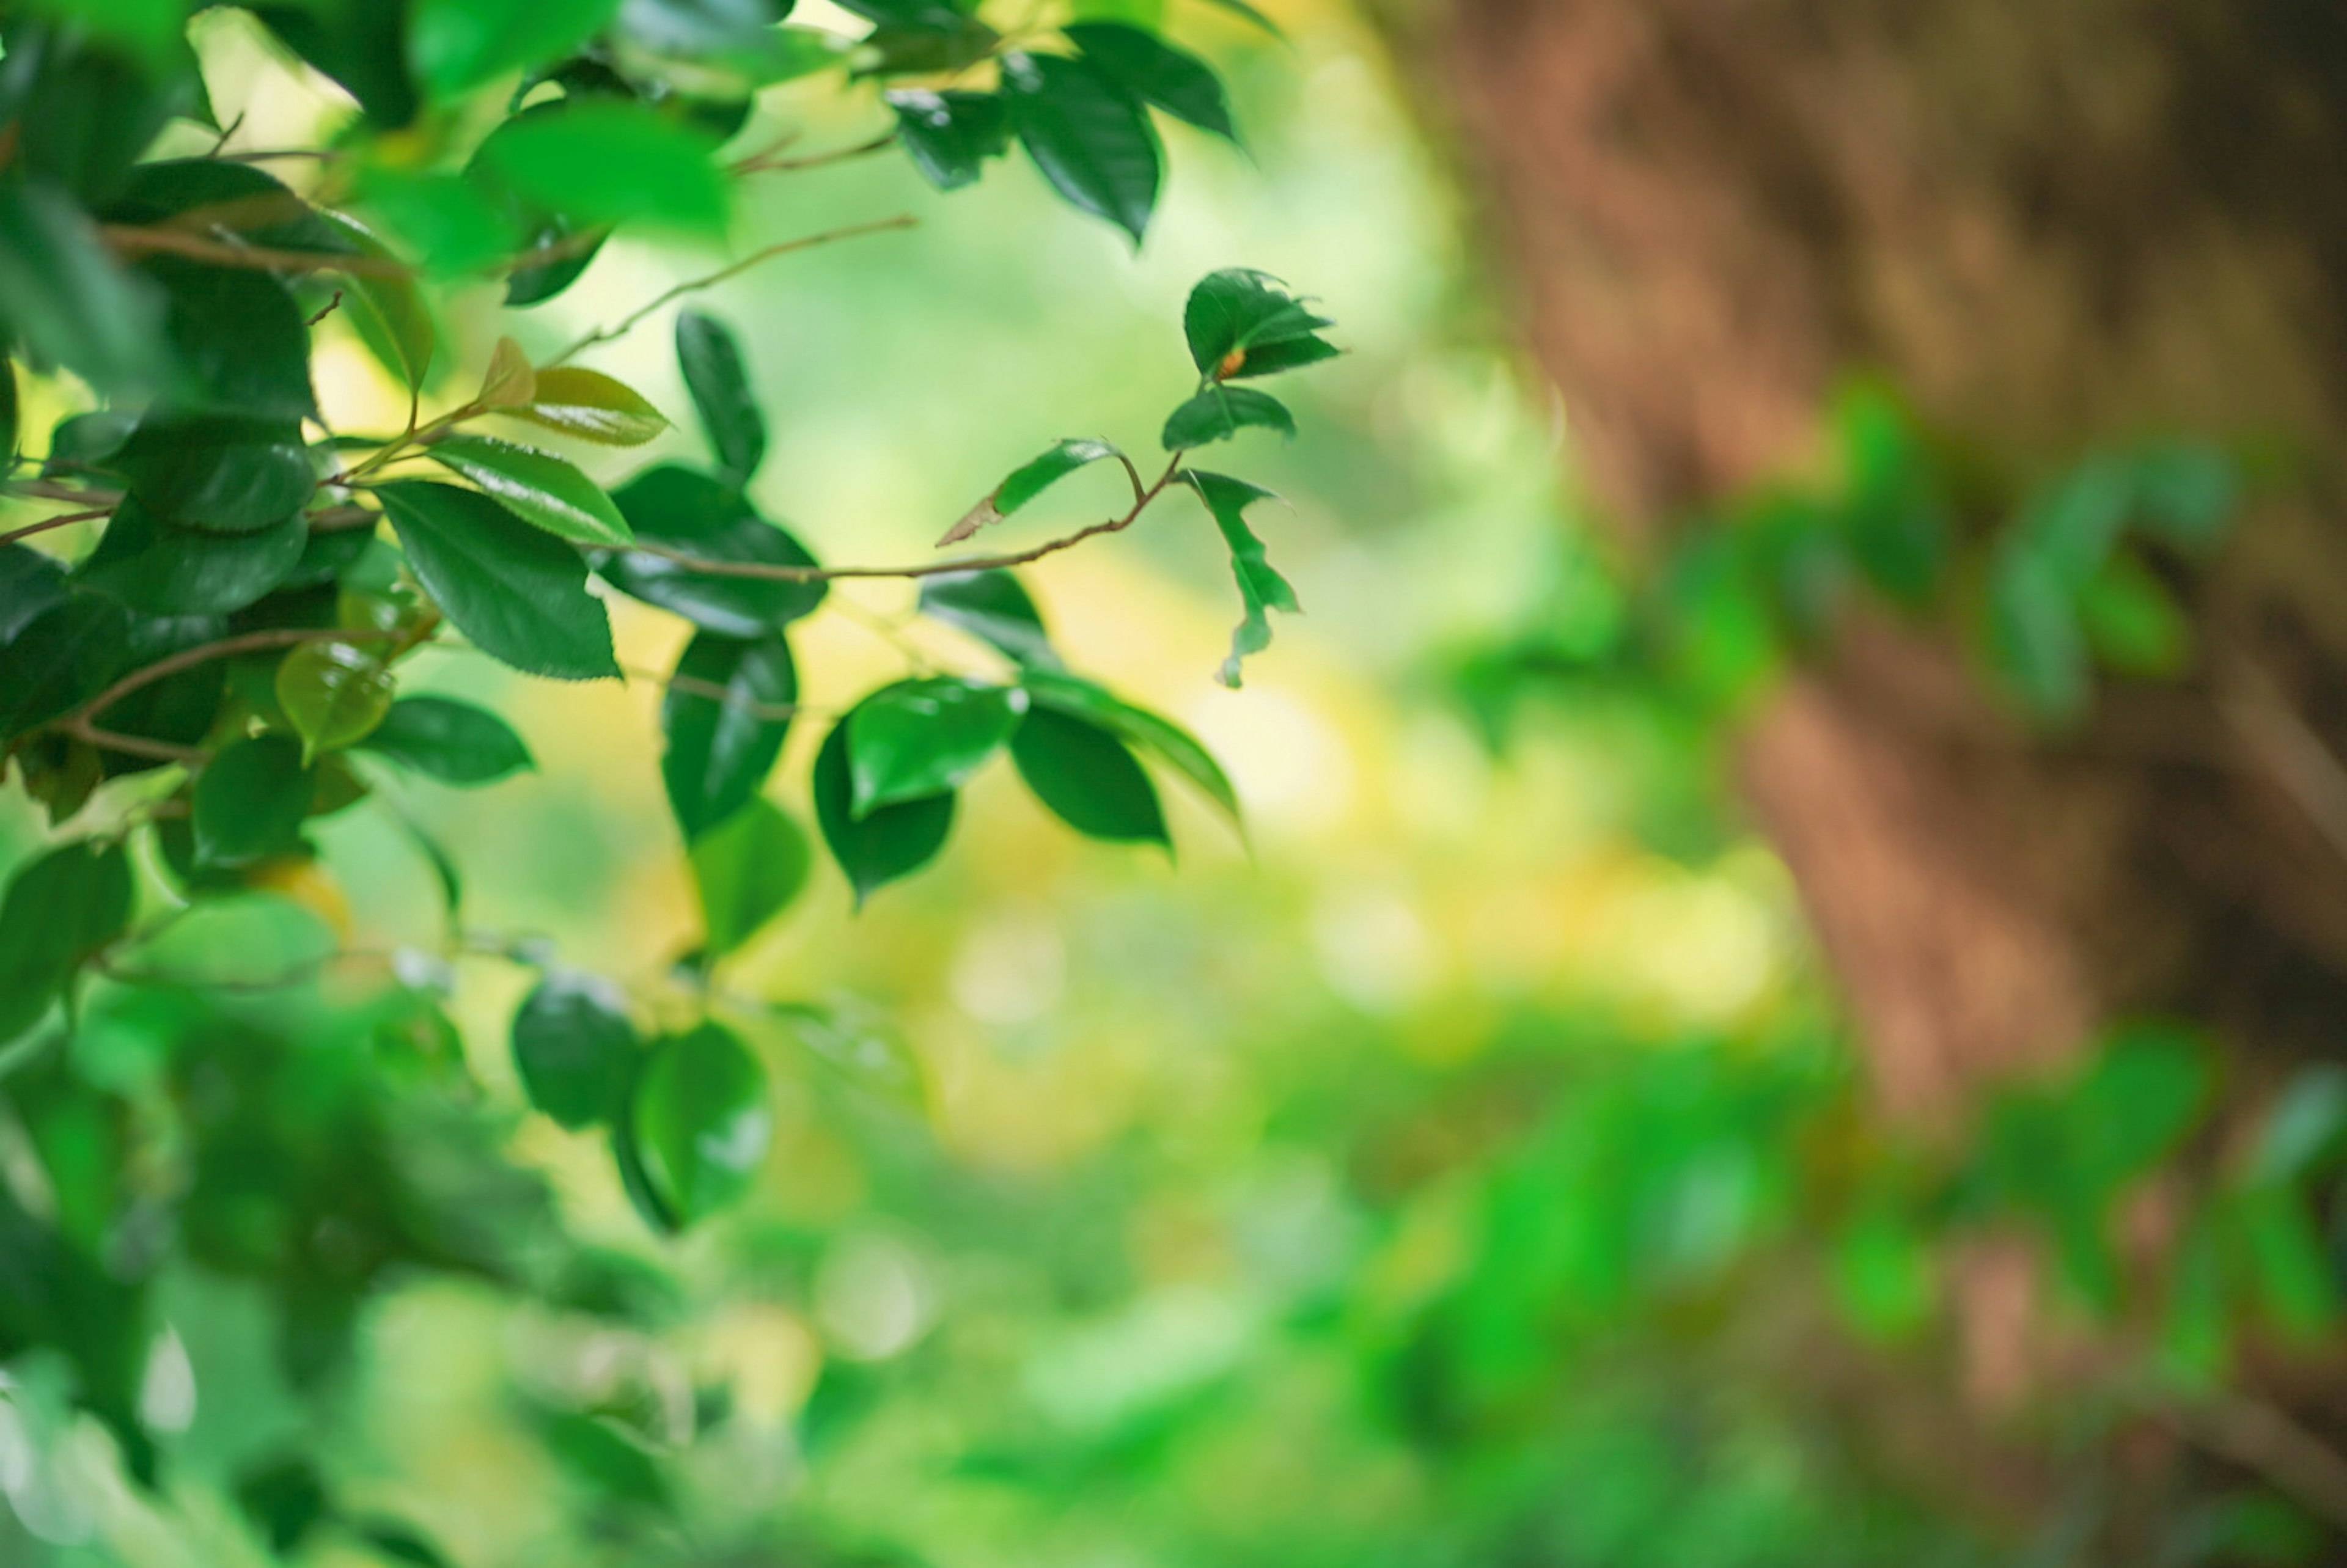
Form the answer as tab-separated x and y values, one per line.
925	737
720	384
453	742
519	594
334	693
575	1049
1156	72
1092	142
1169	742
725	716
747	869
700	1121
455	45
1087	777
992	607
536	487
591	406
1027	482
1260	588
1221	411
249	801
949	134
691	511
885	845
607	160
509	382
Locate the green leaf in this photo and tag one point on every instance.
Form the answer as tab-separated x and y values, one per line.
747	871
1156	72
885	845
591	406
30	584
1241	8
721	747
600	1455
217	197
934	15
925	737
1028	482
249	801
575	1049
59	909
1087	777
949	134
706	517
2185	494
161	568
605	161
2034	637
536	487
225	475
2132	621
387	309
519	594
992	607
358	46
71	301
1221	411
9	415
738	32
1241	311
453	742
457	45
241	348
1092	142
700	1121
720	384
2303	1127
334	693
1260	588
64	655
1168	741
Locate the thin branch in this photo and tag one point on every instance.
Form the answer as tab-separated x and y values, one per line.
133	241
330	307
233	126
694	285
768	163
764	572
226	648
45	524
267	154
695	687
89	734
49	490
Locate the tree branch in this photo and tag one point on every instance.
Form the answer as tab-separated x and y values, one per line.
226	648
768	163
45	524
133	241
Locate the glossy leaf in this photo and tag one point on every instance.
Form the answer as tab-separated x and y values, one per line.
1261	588
453	742
992	607
510	381
457	45
519	594
884	845
606	160
747	869
1154	733
1241	311
238	339
334	693
720	385
1091	140
249	801
1088	778
1221	411
591	406
536	487
949	134
687	510
575	1049
925	737
1156	72
60	908
226	475
722	745
1027	482
161	568
700	1121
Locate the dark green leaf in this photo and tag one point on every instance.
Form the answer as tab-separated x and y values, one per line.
700	1121
949	135
575	1049
286	1499
222	197
889	843
453	742
58	910
359	44
934	15
738	32
76	306
1271	358
589	405
239	338
925	737
567	249
1221	411
747	869
249	801
536	487
1171	744
598	1454
1088	778
690	511
30	583
457	45
63	656
84	111
1092	141
1028	482
720	747
720	384
994	608
608	161
9	432
519	594
229	475
164	569
400	1542
334	693
1241	311
1156	72
1260	588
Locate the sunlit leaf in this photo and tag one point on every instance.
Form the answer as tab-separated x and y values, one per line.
885	845
591	406
1261	588
700	1121
519	594
926	737
536	487
1092	141
1088	778
725	716
334	692
720	385
747	869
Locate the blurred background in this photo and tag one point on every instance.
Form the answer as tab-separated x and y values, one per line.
1685	1068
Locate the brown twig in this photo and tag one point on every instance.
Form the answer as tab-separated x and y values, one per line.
693	686
768	163
226	648
132	239
89	734
45	524
330	307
